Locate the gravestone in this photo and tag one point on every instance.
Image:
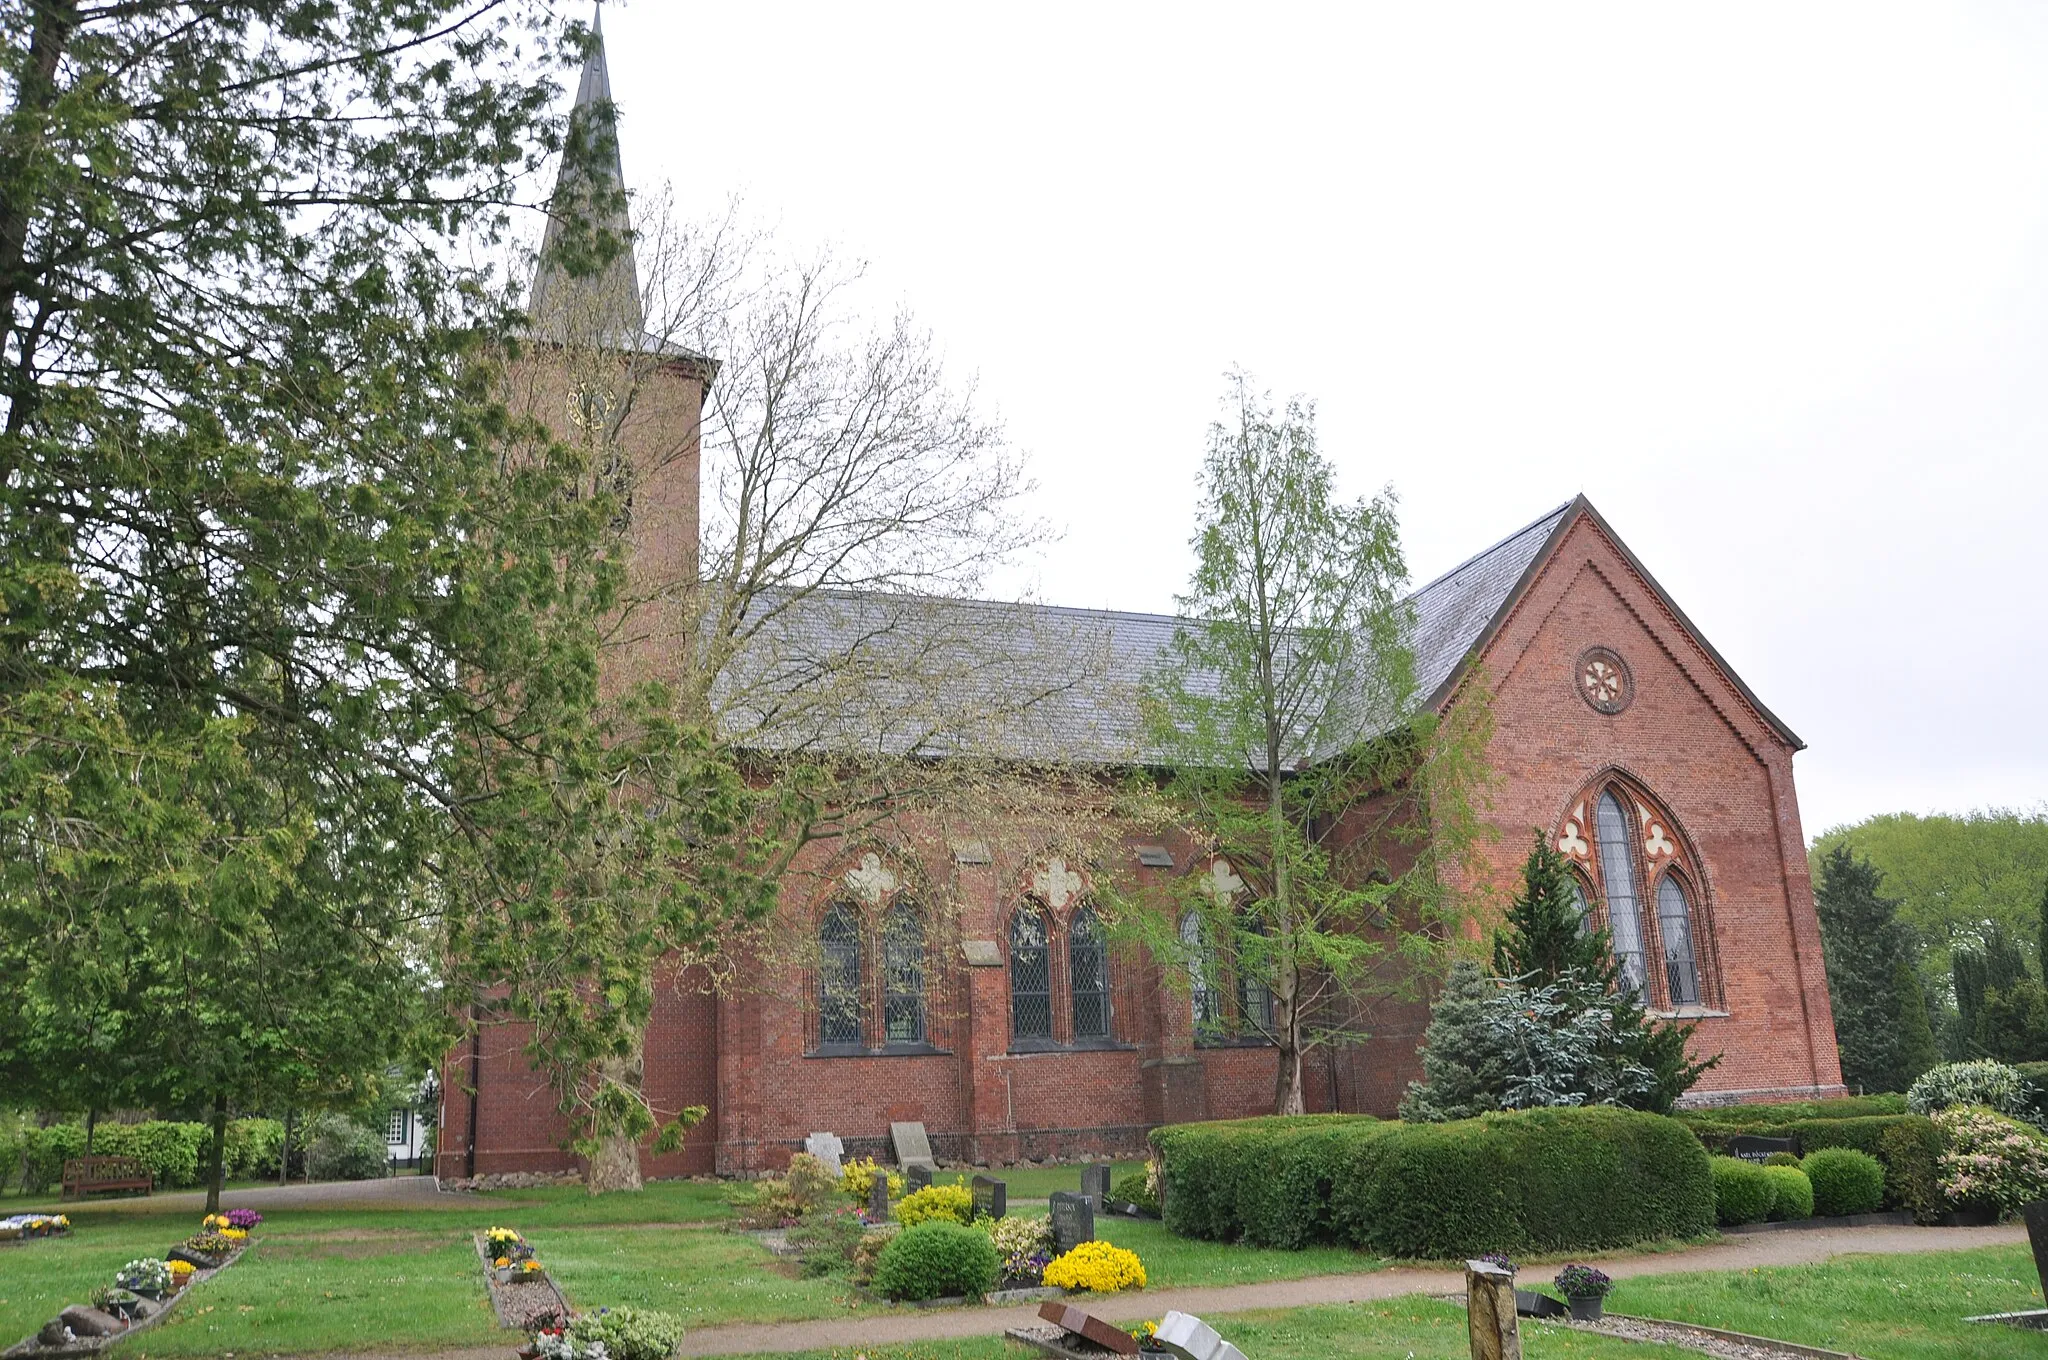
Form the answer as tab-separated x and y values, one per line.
912	1147
1095	1185
878	1197
1750	1147
1190	1338
917	1178
1073	1221
991	1197
1490	1316
827	1148
2036	1215
1107	1335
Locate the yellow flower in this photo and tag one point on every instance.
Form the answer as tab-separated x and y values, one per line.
1098	1268
531	1265
502	1262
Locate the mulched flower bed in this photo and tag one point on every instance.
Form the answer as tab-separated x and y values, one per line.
1707	1340
524	1305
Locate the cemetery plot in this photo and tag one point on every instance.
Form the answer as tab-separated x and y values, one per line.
32	1227
522	1295
143	1293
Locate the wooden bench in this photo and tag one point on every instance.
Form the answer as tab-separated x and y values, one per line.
91	1175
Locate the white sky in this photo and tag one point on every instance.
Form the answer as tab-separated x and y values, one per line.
1767	282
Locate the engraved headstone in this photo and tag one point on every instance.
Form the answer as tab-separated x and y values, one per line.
912	1147
1190	1338
878	1197
827	1148
1490	1316
1750	1147
916	1177
2036	1215
1073	1221
991	1196
1095	1185
1107	1335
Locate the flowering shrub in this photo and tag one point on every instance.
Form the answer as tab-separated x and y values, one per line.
857	1178
146	1276
214	1222
1098	1268
553	1343
779	1201
627	1334
1989	1161
955	1202
244	1219
1025	1244
1983	1082
1583	1282
210	1244
235	1234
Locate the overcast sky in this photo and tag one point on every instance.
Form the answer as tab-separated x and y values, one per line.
1769	283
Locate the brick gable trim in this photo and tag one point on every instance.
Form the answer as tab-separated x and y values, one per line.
1582	507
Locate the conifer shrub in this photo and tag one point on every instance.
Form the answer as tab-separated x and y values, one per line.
1742	1192
1844	1181
1791	1193
937	1259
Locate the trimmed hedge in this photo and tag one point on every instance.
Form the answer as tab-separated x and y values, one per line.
936	1259
1791	1193
1845	1181
1749	1116
176	1152
1541	1180
1907	1146
1743	1193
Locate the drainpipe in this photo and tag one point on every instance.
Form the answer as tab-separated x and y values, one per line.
476	1082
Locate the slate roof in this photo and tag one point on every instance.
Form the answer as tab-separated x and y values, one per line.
1027	681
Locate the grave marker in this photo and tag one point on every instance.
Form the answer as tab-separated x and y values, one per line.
1107	1335
1490	1317
878	1197
916	1178
2036	1215
1750	1147
1073	1221
827	1148
1095	1185
1190	1338
912	1146
991	1197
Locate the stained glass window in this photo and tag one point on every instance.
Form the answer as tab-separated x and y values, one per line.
1088	974
839	1008
1030	975
1624	897
1674	922
903	975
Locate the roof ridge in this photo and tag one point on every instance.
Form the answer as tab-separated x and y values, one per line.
1539	521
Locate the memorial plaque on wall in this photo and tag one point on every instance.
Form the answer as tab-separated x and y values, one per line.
991	1197
1073	1221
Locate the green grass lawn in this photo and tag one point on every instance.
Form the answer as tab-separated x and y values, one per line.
1172	1262
1398	1329
1882	1307
704	1276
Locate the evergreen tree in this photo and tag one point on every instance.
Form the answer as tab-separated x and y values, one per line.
1868	955
1463	1068
1546	934
1993	962
1917	1050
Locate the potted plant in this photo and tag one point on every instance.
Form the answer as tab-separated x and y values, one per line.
1585	1291
115	1302
148	1277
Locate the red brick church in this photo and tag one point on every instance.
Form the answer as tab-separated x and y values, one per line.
1619	731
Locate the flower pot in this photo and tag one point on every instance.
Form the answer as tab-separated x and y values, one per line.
1587	1309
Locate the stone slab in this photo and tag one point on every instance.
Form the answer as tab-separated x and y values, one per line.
2036	1216
912	1146
1082	1323
2033	1319
1073	1220
1095	1184
917	1176
878	1196
1750	1147
827	1148
991	1196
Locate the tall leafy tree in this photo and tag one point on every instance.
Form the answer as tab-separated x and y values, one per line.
1288	713
1545	934
1870	955
266	559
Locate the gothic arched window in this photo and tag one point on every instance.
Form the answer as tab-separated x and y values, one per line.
839	991
1674	923
1254	996
1030	974
1624	895
1201	970
1088	975
903	1018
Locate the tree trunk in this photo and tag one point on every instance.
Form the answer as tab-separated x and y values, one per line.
218	1158
616	1165
1287	1097
92	1118
284	1152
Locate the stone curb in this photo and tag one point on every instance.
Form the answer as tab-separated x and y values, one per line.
1737	1338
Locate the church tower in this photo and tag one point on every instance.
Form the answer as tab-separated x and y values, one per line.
601	378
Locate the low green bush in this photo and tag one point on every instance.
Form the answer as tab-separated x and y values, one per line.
1750	1116
1743	1192
1781	1159
1844	1181
1791	1193
1982	1081
252	1149
1906	1144
1133	1187
340	1149
1552	1179
175	1153
937	1259
629	1333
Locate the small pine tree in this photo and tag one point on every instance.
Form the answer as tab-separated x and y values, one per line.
1546	934
1869	953
1462	1068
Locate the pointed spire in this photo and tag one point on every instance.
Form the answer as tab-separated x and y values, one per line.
588	215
